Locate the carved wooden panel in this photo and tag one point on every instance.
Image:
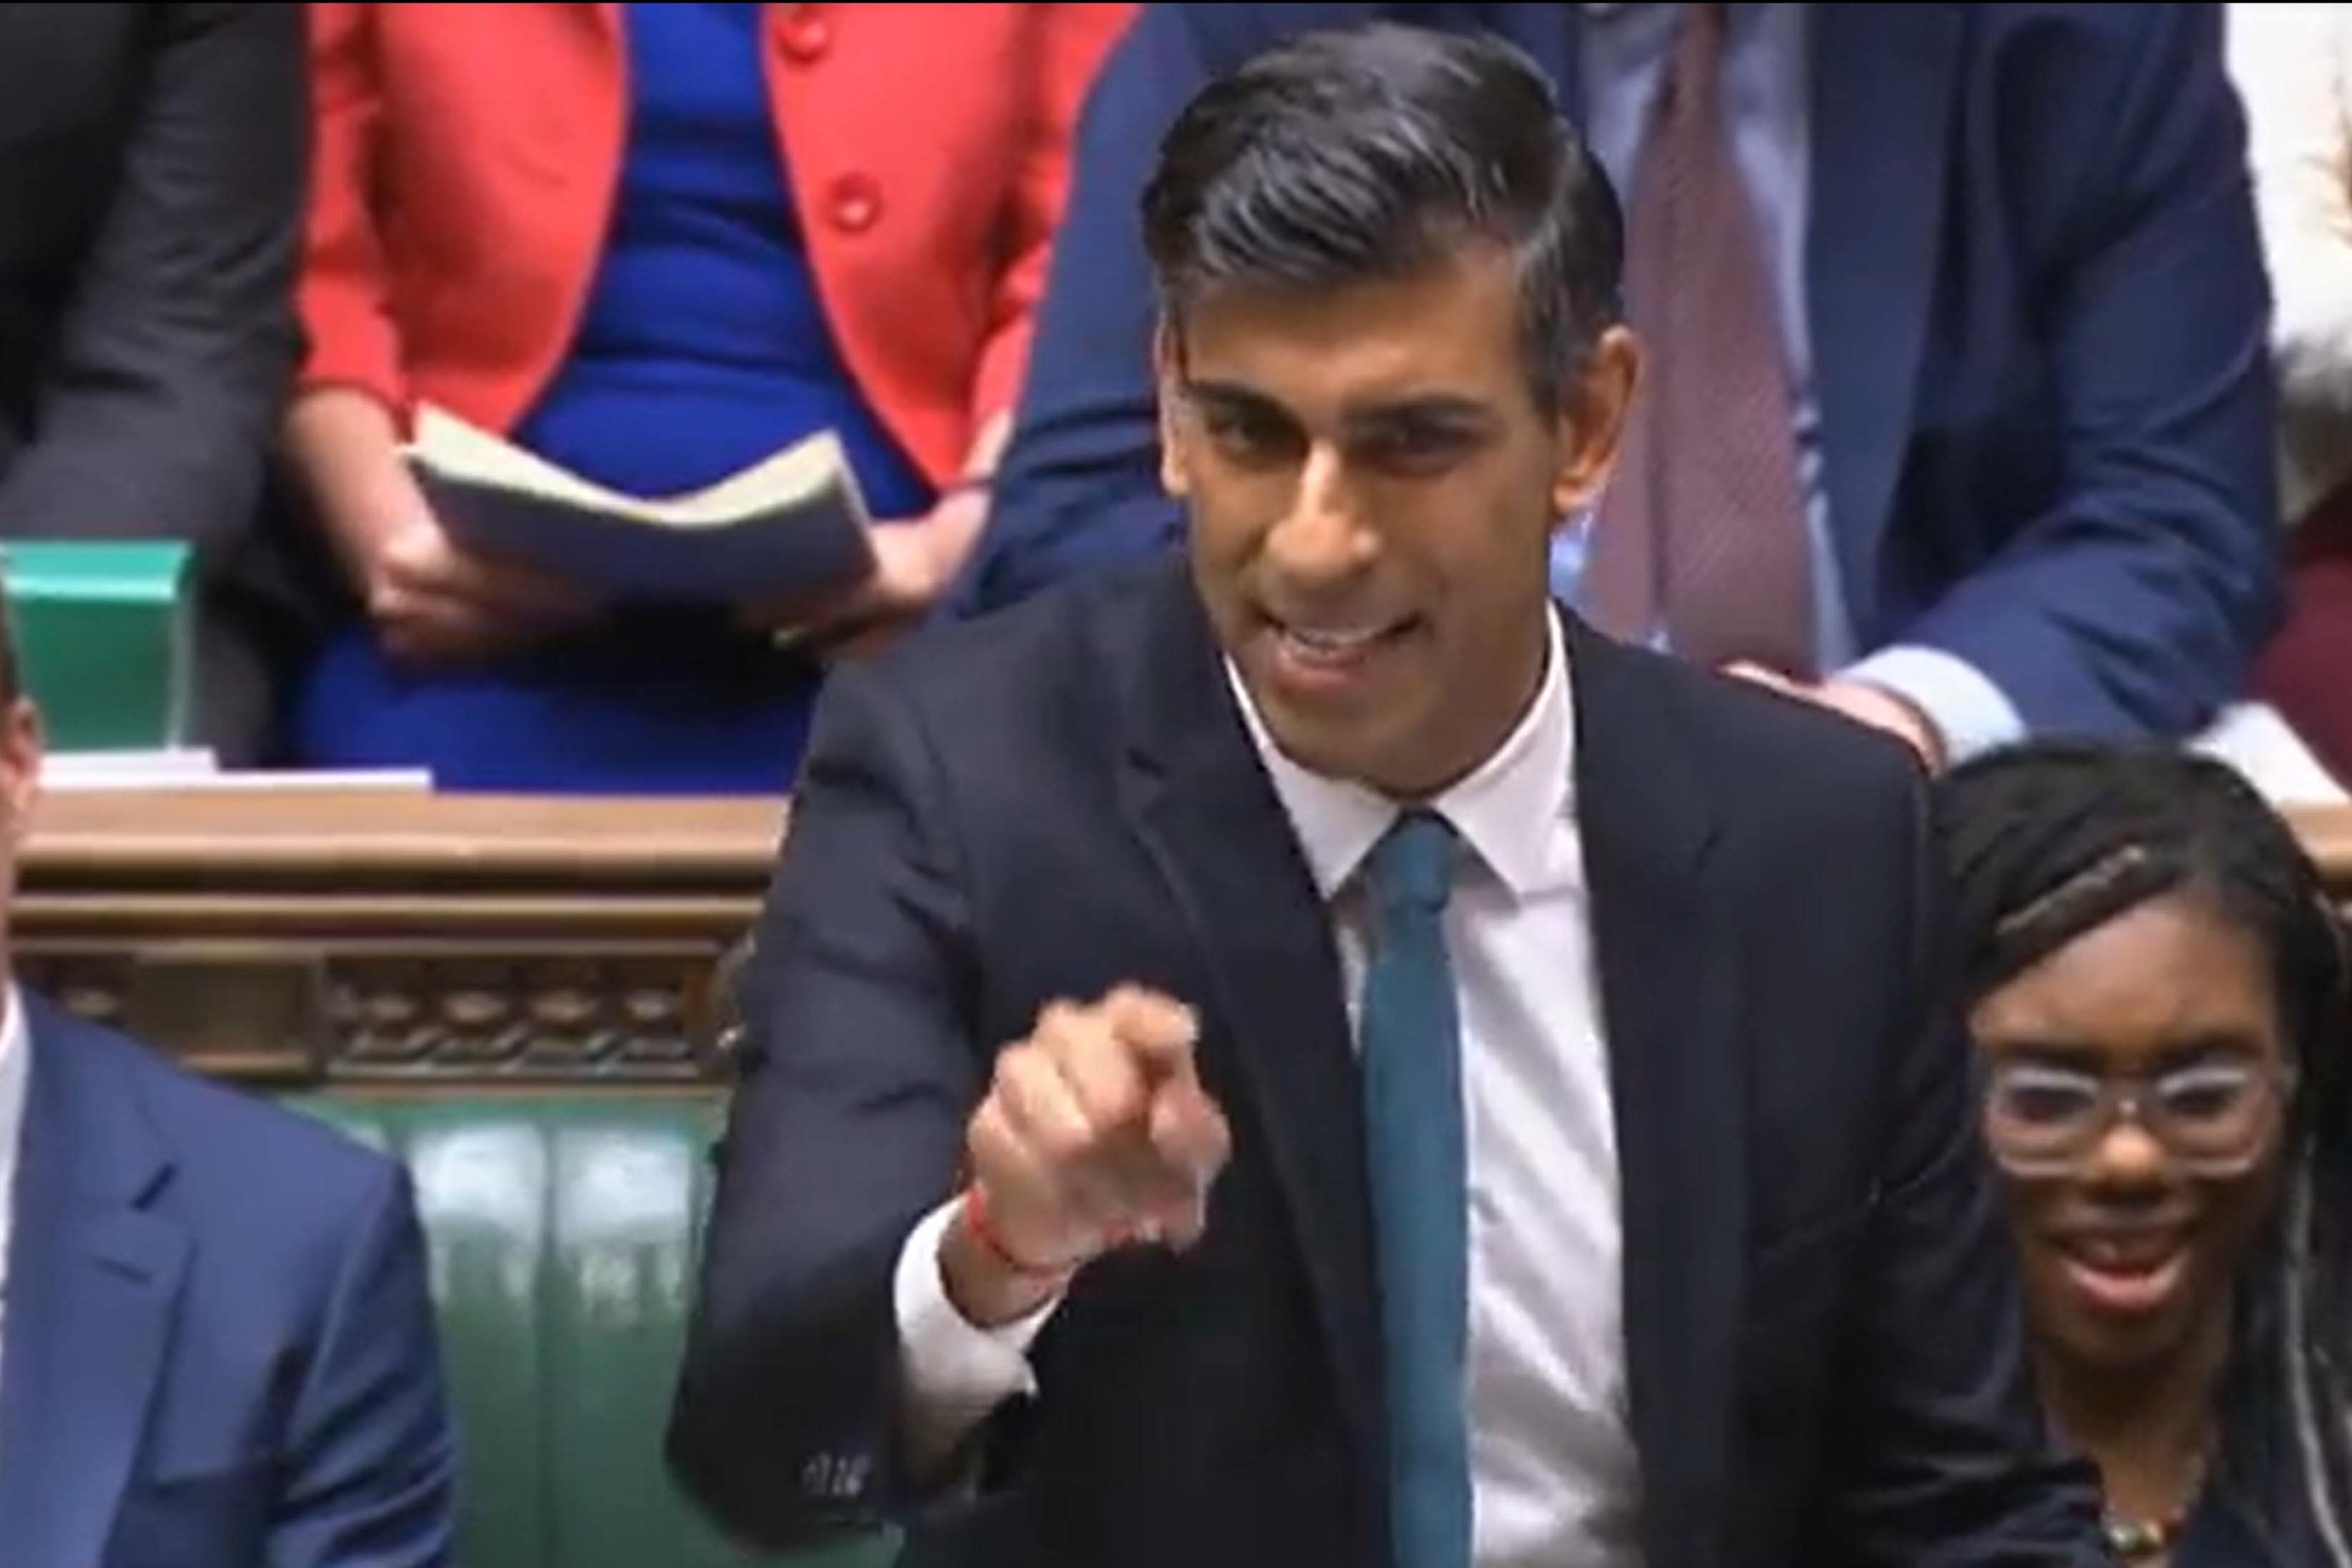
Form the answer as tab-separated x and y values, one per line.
630	1014
400	939
470	1012
427	940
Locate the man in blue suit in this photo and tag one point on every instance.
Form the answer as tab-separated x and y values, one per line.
2011	263
217	1348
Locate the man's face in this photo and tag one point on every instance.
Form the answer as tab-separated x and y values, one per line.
1373	486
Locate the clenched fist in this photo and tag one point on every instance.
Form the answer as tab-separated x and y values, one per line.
1095	1131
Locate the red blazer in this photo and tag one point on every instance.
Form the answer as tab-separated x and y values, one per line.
467	158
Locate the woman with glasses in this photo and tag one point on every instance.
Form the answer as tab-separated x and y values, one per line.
2155	981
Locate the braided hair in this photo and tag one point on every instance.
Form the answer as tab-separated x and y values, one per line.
2046	842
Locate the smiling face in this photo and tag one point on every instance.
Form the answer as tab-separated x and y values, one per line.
1373	487
2127	1254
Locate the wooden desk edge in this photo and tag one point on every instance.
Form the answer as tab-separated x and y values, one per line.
105	839
572	947
2326	833
110	838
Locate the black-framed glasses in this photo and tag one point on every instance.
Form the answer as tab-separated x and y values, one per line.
2212	1116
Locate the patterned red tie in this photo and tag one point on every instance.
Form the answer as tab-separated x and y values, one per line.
1702	531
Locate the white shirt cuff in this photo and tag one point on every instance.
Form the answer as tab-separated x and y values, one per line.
1971	714
954	1372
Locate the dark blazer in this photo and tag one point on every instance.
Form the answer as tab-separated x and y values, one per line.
1825	1349
2038	311
218	1350
153	166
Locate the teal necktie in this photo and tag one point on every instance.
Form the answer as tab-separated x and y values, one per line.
1413	1131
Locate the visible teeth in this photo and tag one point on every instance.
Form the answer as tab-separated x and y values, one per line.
1334	642
2121	1254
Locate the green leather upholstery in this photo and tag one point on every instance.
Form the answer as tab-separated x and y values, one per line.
562	1232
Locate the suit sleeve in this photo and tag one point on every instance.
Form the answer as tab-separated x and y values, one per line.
2134	603
1942	1457
1078	489
857	1071
174	359
371	1456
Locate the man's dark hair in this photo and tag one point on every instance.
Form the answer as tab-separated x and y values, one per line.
1369	153
2050	839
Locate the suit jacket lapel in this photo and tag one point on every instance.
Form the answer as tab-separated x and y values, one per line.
1214	826
1670	989
1670	1006
92	1278
1883	77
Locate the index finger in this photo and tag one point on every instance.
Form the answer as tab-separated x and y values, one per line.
1157	1027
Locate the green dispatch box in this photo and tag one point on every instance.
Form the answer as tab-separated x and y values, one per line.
105	632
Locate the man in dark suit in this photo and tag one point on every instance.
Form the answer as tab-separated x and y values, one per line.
2004	259
216	1347
1475	1093
153	165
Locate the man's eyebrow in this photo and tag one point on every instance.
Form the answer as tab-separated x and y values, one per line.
1431	408
1450	408
1233	395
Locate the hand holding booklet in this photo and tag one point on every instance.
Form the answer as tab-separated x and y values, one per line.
792	523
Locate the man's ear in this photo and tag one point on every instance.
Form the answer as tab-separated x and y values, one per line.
21	745
1593	406
1167	380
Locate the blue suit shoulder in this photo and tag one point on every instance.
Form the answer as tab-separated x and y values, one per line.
2142	46
241	1154
1786	764
300	1320
2122	24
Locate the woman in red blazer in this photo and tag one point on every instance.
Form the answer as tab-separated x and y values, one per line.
656	243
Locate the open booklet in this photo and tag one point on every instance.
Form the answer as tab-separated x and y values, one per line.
790	524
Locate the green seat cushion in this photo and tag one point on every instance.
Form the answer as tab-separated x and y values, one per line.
562	1230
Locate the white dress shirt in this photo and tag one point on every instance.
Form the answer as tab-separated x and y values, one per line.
1554	1474
16	1068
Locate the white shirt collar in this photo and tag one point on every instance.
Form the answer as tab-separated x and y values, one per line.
15	1073
1505	811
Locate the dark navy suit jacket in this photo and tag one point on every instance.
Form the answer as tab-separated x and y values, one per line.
218	1348
2037	310
1824	1344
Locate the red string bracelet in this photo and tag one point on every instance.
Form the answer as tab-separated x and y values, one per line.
975	1219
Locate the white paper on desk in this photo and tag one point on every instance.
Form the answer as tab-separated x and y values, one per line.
299	781
82	772
2261	744
75	770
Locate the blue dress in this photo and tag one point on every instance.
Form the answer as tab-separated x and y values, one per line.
703	347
